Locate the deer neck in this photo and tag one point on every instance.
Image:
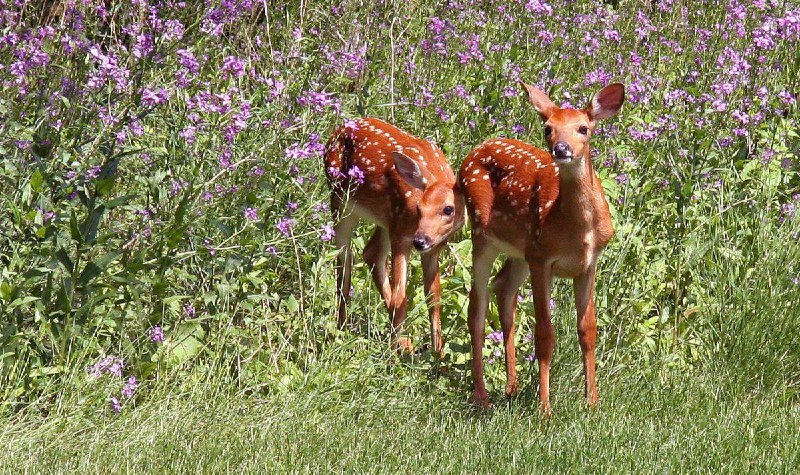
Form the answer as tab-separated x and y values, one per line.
577	199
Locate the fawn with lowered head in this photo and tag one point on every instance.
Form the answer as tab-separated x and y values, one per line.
547	212
405	186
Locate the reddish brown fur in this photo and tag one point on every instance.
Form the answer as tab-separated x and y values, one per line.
402	212
550	218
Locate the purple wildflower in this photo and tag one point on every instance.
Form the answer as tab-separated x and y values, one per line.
251	214
109	365
187	59
256	171
495	337
356	174
233	66
156	334
285	226
786	97
539	7
351	64
335	173
116	406
188	134
319	101
92	173
327	232
130	387
154	97
350	125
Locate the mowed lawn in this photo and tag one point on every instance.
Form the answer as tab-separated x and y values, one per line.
377	423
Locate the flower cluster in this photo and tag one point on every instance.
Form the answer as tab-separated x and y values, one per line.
113	366
495	340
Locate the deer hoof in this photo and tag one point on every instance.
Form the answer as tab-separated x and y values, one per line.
512	389
481	401
404	346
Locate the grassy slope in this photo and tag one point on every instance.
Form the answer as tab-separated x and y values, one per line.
381	423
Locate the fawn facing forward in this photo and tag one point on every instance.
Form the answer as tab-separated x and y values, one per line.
547	212
405	186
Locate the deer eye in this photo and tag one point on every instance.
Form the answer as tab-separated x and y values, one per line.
583	130
448	210
547	131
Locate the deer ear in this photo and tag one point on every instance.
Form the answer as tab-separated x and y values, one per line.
539	100
409	170
606	102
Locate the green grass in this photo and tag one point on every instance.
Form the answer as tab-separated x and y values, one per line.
394	418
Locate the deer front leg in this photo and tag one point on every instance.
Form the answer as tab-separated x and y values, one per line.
544	340
506	286
401	251
483	254
587	329
433	293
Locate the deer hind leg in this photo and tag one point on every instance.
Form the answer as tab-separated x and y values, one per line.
483	255
344	263
506	287
587	330
376	255
401	250
433	293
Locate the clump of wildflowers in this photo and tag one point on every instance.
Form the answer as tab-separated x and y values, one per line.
112	365
251	214
116	405
285	226
131	385
327	232
356	174
156	334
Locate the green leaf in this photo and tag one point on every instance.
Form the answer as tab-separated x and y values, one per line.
104	186
92	223
119	201
7	291
90	271
64	300
74	231
291	304
108	258
175	298
186	343
96	267
64	259
22	301
37	180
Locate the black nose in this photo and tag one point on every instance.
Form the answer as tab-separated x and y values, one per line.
419	243
561	149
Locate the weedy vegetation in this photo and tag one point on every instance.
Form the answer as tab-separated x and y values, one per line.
167	277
